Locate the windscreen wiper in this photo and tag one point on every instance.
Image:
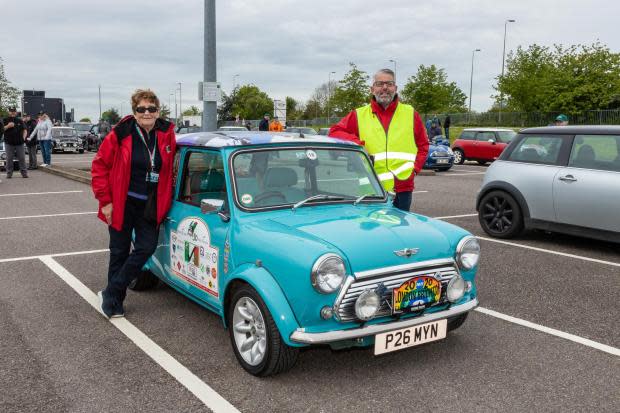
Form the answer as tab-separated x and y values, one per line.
361	198
318	197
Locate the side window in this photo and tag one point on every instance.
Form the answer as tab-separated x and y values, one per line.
203	177
537	149
485	136
596	152
467	135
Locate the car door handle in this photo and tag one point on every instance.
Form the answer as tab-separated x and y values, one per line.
568	178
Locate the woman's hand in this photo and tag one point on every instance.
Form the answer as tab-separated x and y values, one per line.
107	213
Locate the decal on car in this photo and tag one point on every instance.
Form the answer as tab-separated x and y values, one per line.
247	198
192	257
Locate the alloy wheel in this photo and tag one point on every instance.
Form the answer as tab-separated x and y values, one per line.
249	331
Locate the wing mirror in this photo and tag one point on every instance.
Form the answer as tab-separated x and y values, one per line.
492	141
209	205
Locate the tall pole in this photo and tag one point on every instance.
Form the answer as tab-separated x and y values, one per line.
329	93
209	112
169	105
176	116
99	102
501	95
394	61
471	79
235	81
180	103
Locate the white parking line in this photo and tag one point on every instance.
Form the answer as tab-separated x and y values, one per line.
182	374
42	193
48	215
463	174
456	216
552	331
62	254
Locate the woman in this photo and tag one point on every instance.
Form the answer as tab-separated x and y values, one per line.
132	180
43	133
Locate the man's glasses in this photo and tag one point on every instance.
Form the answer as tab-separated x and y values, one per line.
389	83
150	109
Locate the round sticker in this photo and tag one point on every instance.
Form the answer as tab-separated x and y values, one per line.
311	155
247	199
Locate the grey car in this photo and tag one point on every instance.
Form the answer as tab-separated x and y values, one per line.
560	179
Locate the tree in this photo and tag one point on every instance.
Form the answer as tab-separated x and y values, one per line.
249	102
86	120
312	110
429	92
164	112
292	108
9	95
192	111
352	92
224	110
111	115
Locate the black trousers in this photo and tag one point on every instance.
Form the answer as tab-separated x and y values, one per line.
402	200
124	265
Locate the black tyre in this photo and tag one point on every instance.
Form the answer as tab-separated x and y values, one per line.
456	322
144	281
81	151
254	336
500	215
459	157
482	163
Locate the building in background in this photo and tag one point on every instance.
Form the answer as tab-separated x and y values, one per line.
34	101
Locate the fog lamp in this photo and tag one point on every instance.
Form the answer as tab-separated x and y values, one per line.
367	305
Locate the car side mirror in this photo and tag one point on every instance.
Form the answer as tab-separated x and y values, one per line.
492	141
208	205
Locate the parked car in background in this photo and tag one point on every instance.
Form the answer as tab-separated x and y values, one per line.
83	129
271	234
324	131
232	128
440	156
182	130
303	130
563	179
481	144
66	139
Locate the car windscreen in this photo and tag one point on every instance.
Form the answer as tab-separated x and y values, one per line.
276	177
84	127
506	136
63	132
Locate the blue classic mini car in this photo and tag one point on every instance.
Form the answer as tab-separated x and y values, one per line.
440	156
293	247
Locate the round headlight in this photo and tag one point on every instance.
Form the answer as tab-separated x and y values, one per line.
3	155
367	305
456	288
468	253
328	273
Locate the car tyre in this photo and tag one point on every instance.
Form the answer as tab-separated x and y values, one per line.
456	322
255	337
81	150
500	215
145	280
482	163
459	156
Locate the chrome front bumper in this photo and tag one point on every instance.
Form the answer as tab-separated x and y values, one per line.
300	336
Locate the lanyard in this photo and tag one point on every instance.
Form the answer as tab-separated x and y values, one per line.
151	154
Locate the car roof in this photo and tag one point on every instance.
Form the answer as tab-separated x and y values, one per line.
575	130
488	129
251	138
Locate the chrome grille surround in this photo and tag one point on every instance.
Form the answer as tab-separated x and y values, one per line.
390	277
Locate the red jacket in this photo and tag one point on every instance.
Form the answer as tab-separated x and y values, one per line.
347	129
111	169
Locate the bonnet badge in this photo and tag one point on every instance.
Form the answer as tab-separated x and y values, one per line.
407	252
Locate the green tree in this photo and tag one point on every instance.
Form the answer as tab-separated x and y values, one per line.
164	112
352	92
249	102
86	120
9	95
224	110
312	109
111	115
429	91
192	111
292	108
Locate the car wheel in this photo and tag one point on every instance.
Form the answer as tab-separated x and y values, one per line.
482	162
456	322
254	336
144	281
500	215
459	157
81	150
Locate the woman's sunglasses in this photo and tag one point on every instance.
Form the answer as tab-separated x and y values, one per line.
150	109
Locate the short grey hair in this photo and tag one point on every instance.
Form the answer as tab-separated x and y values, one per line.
385	71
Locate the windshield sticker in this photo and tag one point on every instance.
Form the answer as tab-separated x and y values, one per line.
192	257
311	154
247	199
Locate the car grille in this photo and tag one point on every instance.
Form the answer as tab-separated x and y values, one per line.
346	308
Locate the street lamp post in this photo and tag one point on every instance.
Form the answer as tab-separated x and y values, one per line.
99	103
501	95
169	105
471	79
180	102
329	93
235	81
394	61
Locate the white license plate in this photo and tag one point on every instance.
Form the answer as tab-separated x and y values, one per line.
2	163
410	336
442	161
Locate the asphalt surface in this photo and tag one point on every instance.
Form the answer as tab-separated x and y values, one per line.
57	353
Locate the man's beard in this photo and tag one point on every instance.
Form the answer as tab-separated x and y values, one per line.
386	99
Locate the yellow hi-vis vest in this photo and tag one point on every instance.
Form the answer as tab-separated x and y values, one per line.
395	153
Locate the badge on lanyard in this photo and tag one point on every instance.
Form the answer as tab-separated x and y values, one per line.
151	175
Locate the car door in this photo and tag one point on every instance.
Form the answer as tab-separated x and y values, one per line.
195	239
587	191
485	149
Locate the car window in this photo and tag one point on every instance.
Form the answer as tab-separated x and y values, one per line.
485	136
203	178
596	152
468	135
538	149
506	136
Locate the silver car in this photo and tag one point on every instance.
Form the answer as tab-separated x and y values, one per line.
560	179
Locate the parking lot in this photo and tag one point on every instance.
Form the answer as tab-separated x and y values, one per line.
545	336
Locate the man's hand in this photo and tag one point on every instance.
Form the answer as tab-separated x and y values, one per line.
9	125
107	213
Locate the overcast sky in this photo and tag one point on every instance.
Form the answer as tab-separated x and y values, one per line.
287	48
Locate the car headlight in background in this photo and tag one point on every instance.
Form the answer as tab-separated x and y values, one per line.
3	155
438	154
367	305
328	273
468	253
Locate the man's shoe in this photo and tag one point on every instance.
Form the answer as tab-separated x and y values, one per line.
43	164
108	313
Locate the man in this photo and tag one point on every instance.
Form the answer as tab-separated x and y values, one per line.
264	124
14	134
446	126
392	133
434	131
275	126
561	120
31	142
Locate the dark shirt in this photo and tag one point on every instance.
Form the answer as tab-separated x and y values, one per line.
140	162
446	122
263	125
14	135
30	125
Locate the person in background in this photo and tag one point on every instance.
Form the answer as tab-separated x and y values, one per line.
248	125
561	120
275	126
446	126
132	180
264	123
427	125
392	133
14	136
31	143
43	133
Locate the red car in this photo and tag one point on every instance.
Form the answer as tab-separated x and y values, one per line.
481	144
